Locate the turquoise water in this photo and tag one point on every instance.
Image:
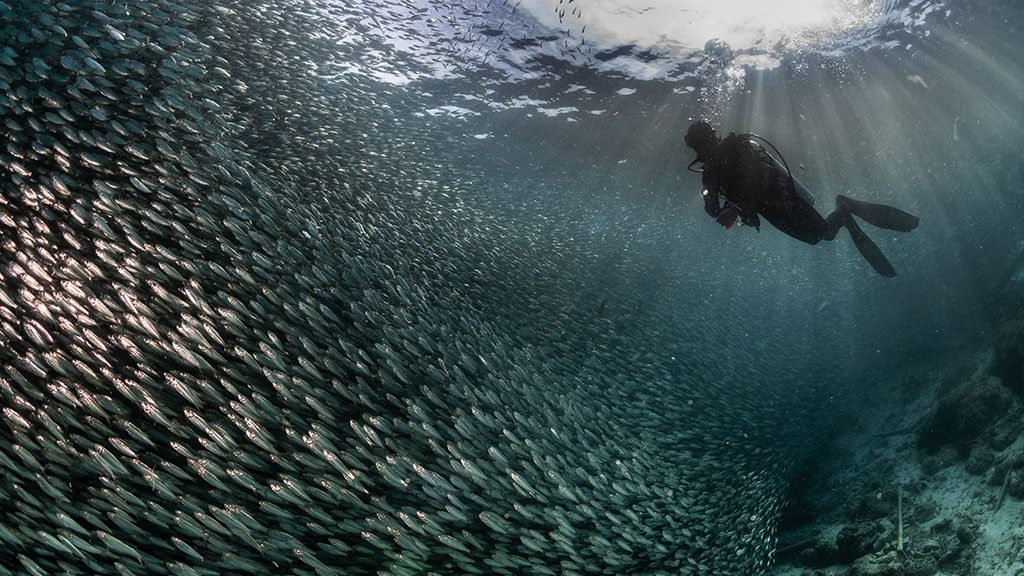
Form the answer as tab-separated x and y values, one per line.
373	288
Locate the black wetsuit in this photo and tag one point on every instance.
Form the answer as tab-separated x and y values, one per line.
741	172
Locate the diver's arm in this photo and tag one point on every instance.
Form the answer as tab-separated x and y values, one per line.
751	220
711	204
726	215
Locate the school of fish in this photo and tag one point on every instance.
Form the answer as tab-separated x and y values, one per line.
249	326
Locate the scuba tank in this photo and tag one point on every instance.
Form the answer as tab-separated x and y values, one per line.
781	167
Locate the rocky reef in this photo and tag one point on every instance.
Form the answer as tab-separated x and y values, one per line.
950	440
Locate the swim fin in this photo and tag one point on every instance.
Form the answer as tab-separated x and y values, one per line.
869	250
880	215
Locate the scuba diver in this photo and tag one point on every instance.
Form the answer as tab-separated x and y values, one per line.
741	181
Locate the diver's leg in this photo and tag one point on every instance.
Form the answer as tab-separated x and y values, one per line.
791	214
834	221
812	228
843	216
869	250
880	215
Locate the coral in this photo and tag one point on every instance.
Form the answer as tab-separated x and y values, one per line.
892	563
857	540
951	541
944	458
1008	353
980	460
924	512
823	553
1008	429
875	504
1015	487
963	414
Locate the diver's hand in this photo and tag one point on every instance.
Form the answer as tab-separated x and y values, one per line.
728	217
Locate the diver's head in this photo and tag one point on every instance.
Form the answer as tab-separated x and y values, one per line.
700	137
